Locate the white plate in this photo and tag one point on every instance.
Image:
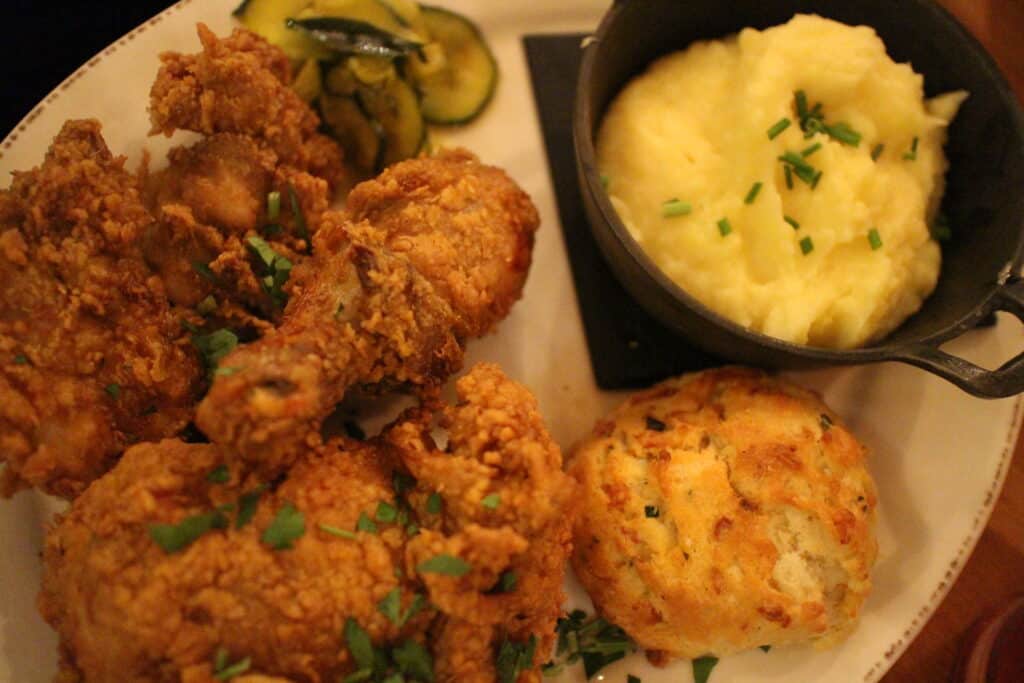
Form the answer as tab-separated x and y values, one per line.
939	456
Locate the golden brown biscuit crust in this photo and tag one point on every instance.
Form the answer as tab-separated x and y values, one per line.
722	511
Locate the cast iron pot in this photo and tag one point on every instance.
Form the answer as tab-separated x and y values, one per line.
984	197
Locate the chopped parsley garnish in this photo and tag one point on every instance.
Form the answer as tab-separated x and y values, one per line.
776	130
724	227
702	667
204	271
810	150
806	245
174	538
223	671
674	207
412	530
276	268
654	424
752	194
651	511
247	504
434	503
826	422
215	345
273	205
595	641
514	658
765	648
491	502
207	305
842	132
448	565
364	523
391	607
386	512
300	218
335	531
792	222
403	662
219	475
21	359
877	151
874	239
113	390
912	154
506	582
287	527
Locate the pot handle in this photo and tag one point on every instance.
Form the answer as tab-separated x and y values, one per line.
1007	380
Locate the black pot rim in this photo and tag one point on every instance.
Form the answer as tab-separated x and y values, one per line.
583	124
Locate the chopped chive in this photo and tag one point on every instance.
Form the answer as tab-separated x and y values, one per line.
651	511
806	245
724	227
792	222
912	154
287	526
364	523
224	672
803	170
114	390
776	130
491	502
801	104
789	177
674	207
810	150
335	531
434	503
448	565
874	239
273	205
815	179
843	133
752	194
765	648
877	151
21	359
386	512
219	475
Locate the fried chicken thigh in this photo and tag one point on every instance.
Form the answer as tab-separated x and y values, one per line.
240	84
389	302
456	552
91	356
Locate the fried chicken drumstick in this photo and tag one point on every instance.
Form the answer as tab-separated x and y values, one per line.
430	253
91	358
442	557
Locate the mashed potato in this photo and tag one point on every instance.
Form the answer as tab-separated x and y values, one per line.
837	259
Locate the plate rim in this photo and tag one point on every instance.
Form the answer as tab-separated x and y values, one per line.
892	654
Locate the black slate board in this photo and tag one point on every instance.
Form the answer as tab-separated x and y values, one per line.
628	348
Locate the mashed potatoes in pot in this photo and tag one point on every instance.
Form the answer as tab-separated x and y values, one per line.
786	178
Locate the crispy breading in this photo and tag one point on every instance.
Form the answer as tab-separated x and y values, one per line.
240	84
92	358
466	227
127	610
389	303
722	511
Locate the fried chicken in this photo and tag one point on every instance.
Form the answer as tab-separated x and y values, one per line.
212	199
239	85
458	552
364	312
91	355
